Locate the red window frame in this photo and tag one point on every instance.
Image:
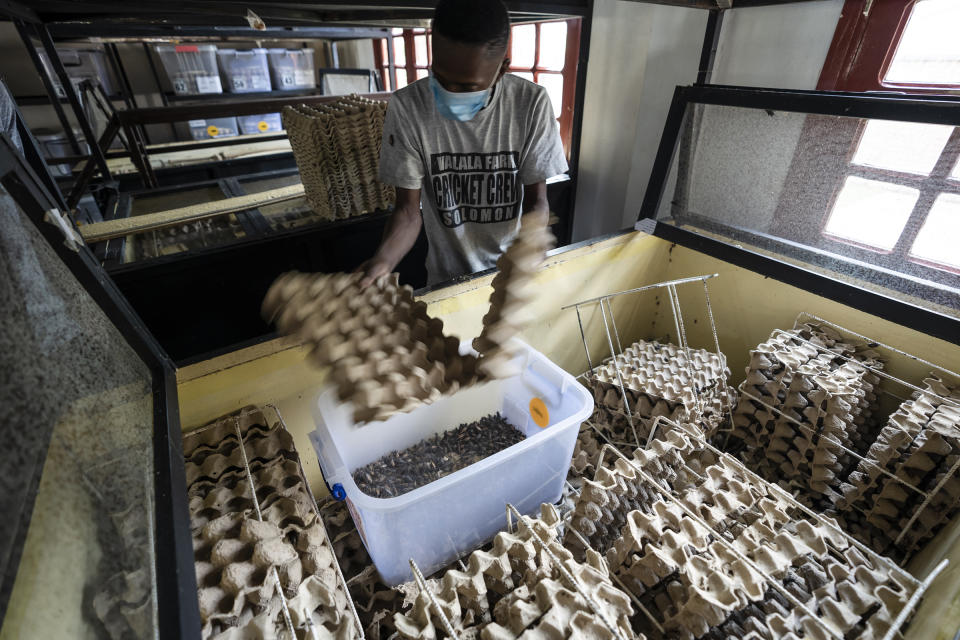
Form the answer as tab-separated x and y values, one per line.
568	73
863	46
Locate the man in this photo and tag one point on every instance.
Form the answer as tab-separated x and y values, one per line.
471	143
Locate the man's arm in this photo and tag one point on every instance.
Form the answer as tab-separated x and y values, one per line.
536	209
399	236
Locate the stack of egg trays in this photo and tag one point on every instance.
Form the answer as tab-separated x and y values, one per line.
659	380
711	550
907	488
337	149
807	410
264	560
526	585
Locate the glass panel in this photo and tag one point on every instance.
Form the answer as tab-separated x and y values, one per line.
526	75
76	468
929	50
871	212
553	45
422	73
784	184
955	174
937	240
553	83
913	147
523	50
399	52
401	78
420	46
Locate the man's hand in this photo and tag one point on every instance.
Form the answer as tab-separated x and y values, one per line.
372	269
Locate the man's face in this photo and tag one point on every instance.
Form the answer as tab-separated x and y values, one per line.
462	67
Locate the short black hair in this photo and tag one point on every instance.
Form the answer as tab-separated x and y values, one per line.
484	23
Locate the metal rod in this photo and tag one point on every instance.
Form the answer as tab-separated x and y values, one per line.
723	361
828	438
926	501
613	322
583	336
730	547
882	374
256	505
700	403
326	534
869	341
422	585
623	389
644	288
566	574
914	599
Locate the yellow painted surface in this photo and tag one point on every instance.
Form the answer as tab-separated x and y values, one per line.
746	308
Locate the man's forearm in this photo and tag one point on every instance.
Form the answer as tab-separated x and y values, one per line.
536	208
400	235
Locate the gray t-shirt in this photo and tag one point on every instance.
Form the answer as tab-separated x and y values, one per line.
471	173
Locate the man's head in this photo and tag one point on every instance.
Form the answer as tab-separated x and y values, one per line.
470	43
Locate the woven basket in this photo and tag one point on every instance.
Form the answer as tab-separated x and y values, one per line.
337	149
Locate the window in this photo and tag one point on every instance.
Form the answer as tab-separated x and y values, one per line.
928	51
542	52
901	193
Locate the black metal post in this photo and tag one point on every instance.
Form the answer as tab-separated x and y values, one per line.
74	101
24	30
711	40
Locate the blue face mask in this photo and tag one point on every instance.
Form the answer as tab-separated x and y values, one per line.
458	106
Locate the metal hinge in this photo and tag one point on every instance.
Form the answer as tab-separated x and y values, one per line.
71	238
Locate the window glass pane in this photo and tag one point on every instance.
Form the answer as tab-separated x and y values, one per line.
913	147
401	78
929	50
526	75
421	73
524	46
955	174
871	212
937	240
553	83
420	46
399	57
553	45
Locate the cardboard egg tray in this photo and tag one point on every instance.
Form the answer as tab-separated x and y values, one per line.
920	445
337	150
690	572
820	408
515	590
248	565
660	379
386	355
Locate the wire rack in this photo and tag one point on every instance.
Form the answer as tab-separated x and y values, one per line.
694	413
235	419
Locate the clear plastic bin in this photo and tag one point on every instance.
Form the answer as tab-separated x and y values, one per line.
264	123
192	68
292	69
80	65
56	145
213	128
244	71
457	513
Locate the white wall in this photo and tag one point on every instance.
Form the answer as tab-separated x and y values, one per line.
639	53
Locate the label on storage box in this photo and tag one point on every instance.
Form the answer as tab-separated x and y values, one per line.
209	84
303	76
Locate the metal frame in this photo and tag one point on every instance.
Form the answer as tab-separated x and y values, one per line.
936	110
178	615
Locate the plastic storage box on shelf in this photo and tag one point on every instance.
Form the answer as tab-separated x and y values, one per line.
292	69
192	68
213	128
244	71
454	515
263	123
56	145
80	65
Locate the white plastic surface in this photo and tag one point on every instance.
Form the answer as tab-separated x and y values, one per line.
452	516
213	128
292	69
244	71
263	123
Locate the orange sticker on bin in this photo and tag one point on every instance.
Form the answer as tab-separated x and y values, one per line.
263	125
212	131
539	412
